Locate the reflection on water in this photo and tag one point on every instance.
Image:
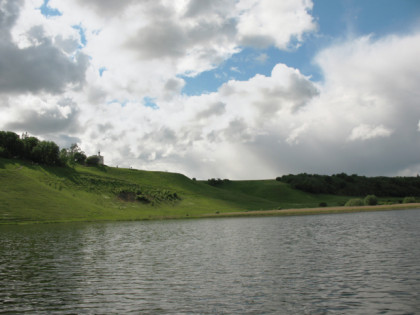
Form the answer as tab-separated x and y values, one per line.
366	263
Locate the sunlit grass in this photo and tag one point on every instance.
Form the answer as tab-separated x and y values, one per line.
35	193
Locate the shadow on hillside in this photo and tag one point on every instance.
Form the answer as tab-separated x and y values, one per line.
102	168
14	162
66	172
69	172
2	163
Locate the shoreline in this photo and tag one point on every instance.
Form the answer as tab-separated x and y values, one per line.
238	214
314	211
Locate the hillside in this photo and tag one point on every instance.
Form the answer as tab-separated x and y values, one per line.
30	193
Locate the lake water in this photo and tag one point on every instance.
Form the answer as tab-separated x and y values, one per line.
363	263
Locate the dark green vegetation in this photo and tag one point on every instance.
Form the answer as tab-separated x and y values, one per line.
43	152
354	185
30	148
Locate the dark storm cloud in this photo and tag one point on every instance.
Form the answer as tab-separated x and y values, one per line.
9	12
199	7
109	7
40	67
52	119
216	109
237	131
165	36
293	96
161	39
69	45
330	157
258	41
163	135
174	85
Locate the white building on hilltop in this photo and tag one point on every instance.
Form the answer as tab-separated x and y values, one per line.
101	158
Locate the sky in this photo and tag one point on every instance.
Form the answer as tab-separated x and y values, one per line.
237	89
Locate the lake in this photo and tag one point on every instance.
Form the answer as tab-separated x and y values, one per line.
360	263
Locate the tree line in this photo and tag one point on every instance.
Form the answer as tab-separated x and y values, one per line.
354	185
43	152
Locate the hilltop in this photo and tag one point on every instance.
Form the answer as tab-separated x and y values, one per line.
30	193
41	183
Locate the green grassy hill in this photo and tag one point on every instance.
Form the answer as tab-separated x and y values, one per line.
32	193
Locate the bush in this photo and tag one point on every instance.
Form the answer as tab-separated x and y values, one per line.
409	200
29	143
80	158
354	203
214	181
11	143
46	152
323	204
371	200
4	153
92	160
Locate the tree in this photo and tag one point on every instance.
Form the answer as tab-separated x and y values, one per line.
46	152
79	157
11	144
371	200
356	202
29	143
409	200
92	160
4	153
64	159
75	155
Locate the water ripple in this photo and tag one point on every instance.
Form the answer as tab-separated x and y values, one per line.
363	263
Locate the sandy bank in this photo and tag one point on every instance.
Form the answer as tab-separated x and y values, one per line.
312	211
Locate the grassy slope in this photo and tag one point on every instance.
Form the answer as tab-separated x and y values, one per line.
37	193
279	194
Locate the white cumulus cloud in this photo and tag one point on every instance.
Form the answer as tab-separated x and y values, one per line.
87	74
366	132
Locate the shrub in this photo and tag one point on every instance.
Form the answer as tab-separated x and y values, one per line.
29	143
371	200
80	157
11	143
356	202
92	160
409	200
46	152
214	181
323	204
4	153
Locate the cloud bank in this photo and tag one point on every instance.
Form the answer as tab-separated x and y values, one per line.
90	74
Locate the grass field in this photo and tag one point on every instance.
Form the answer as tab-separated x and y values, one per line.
35	193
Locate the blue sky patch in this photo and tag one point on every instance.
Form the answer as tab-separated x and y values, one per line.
150	102
122	103
47	11
82	34
102	70
337	21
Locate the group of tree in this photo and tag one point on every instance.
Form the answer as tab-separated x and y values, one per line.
29	148
372	200
354	185
216	181
42	152
73	155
